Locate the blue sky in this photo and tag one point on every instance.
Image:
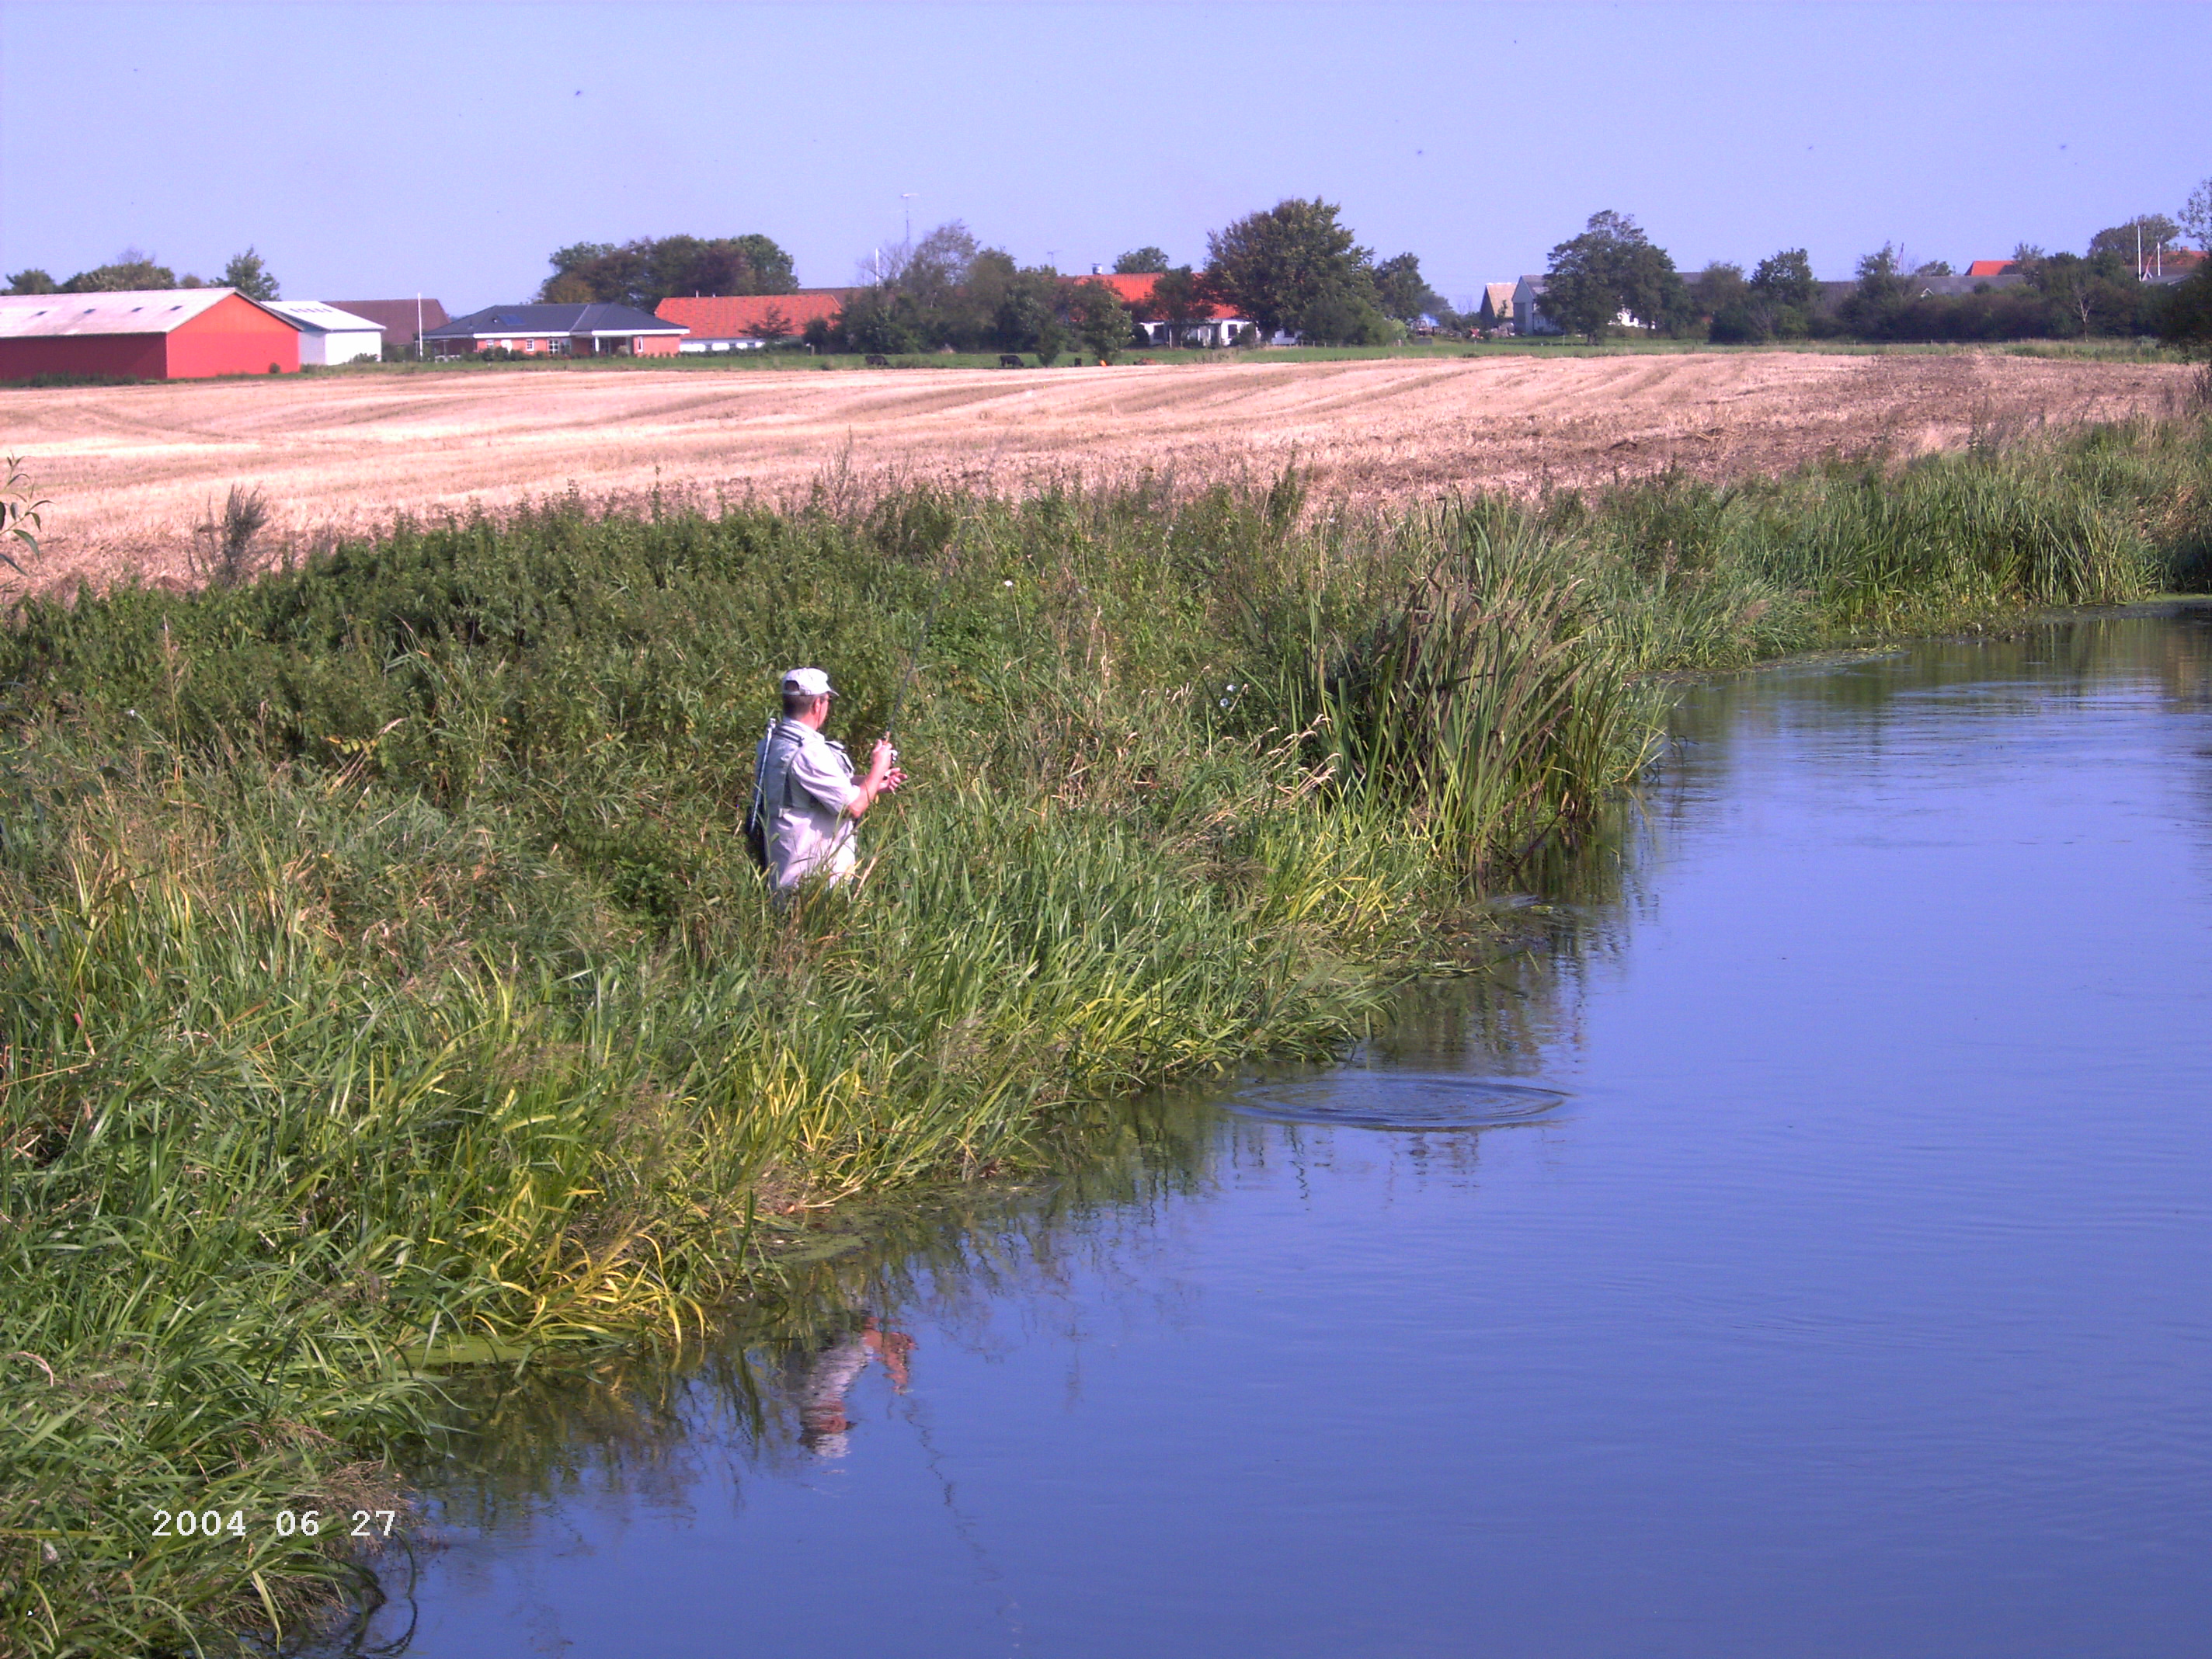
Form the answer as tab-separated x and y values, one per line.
374	151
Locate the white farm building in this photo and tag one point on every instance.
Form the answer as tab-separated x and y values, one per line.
328	336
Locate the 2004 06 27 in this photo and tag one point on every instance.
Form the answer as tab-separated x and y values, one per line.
289	1523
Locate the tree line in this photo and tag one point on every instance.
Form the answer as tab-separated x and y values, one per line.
1613	278
1294	268
131	271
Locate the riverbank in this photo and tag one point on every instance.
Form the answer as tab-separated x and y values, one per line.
387	984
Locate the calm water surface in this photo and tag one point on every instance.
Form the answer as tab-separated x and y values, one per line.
1850	1292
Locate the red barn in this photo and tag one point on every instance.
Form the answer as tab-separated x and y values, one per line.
161	334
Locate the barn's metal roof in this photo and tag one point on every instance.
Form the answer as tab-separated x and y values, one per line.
572	319
142	310
323	318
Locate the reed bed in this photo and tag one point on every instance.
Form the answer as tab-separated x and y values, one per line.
384	987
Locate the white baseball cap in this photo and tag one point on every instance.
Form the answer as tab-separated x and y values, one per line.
808	682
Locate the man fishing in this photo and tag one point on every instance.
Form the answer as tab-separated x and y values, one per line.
804	794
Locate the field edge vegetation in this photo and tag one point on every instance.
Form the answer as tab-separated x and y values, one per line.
384	985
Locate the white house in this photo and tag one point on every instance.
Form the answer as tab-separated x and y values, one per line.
1529	316
328	336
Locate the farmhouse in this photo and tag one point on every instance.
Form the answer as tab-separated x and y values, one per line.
400	319
1529	316
556	331
1495	314
328	336
750	321
152	334
1208	325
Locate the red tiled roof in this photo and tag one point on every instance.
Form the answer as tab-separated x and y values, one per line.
1131	288
750	316
1135	289
1989	268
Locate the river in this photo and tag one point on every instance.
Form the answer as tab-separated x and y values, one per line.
1832	1276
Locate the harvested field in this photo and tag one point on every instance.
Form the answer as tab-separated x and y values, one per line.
131	470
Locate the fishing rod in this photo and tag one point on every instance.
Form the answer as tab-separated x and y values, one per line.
914	657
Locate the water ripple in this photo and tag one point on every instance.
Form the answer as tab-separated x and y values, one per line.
1395	1100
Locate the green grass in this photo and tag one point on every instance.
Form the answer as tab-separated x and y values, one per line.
384	986
2114	350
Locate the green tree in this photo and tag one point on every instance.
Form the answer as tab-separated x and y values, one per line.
1871	310
250	275
726	264
644	272
1295	267
2095	295
1732	312
1140	262
947	291
1027	316
1785	278
2196	217
2185	320
933	269
2144	237
1782	291
1401	291
579	275
1100	320
948	287
1612	268
130	271
34	280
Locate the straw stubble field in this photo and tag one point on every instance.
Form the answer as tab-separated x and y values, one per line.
131	470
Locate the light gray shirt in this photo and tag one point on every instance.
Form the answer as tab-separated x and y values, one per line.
807	787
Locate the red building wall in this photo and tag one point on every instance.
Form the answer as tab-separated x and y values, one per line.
95	356
234	337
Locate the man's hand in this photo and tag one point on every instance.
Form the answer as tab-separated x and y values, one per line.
884	772
884	777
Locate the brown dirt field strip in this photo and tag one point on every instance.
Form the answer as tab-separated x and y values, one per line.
131	469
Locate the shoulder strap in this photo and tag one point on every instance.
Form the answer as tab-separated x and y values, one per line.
760	769
765	758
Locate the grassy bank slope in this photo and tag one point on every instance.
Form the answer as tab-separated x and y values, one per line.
384	977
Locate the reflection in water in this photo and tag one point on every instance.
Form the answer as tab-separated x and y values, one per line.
1853	1302
824	1379
769	1385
